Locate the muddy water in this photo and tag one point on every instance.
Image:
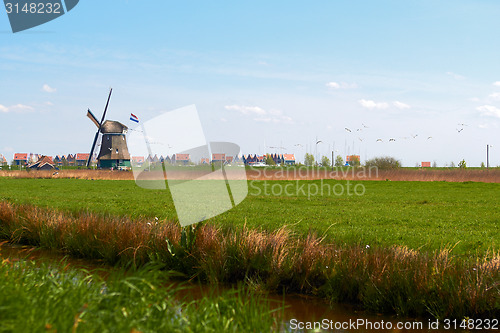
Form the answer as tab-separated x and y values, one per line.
300	311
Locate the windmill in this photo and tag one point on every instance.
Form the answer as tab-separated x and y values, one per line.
114	152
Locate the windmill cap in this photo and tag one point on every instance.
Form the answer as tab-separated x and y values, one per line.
111	126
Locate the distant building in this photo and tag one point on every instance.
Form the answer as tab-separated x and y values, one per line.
426	164
182	159
353	159
60	160
20	159
3	160
71	159
81	159
43	163
289	159
205	160
33	158
218	158
137	161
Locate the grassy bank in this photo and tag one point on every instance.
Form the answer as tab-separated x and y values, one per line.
391	279
54	299
491	175
420	215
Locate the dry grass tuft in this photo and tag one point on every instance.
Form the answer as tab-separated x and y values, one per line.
396	279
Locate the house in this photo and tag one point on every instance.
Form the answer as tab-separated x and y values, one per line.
288	159
352	160
71	159
43	163
181	159
138	161
205	160
60	160
33	158
426	164
218	158
3	160
20	159
81	159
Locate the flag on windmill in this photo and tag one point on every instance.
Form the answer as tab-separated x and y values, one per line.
134	118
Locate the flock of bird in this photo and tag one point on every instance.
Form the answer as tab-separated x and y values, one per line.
404	138
414	136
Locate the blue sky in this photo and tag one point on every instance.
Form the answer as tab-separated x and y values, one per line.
264	75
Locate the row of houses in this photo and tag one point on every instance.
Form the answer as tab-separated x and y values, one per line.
23	159
80	159
185	159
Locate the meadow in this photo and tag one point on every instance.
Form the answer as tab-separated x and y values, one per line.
411	248
421	215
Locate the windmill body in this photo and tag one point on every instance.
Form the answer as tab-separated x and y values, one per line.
114	152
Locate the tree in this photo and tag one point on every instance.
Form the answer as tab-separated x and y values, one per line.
325	161
269	160
309	159
452	164
462	164
434	165
385	162
339	161
482	165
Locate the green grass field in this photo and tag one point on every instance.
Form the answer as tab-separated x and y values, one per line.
421	215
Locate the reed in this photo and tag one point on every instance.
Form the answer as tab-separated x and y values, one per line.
42	298
291	173
392	280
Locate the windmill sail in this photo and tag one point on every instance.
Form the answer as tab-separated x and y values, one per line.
98	127
93	118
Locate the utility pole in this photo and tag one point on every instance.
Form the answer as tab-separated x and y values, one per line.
487	157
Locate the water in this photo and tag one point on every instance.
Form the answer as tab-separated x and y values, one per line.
300	311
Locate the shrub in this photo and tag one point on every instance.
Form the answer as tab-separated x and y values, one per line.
325	161
339	161
385	162
309	159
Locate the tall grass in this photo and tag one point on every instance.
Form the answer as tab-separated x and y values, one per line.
291	173
41	298
392	280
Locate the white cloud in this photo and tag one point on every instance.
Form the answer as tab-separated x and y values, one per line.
495	96
372	104
224	120
489	110
49	103
246	109
496	83
333	85
400	105
16	108
455	76
261	115
341	85
48	88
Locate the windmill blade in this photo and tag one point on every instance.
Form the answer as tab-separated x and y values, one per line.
99	128
92	149
93	118
106	108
